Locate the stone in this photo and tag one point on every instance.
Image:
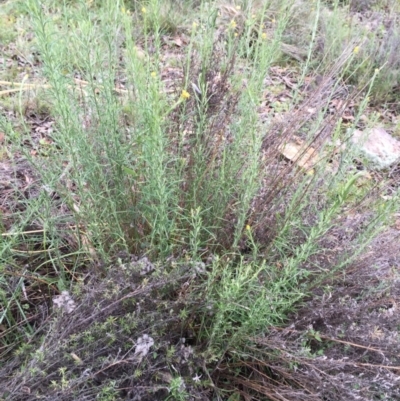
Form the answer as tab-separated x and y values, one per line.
377	146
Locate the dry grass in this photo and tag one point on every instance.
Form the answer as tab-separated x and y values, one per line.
148	176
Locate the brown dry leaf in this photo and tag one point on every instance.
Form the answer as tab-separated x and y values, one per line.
289	83
87	243
28	179
2	137
177	41
363	179
377	333
347	117
298	152
140	53
279	70
337	103
76	358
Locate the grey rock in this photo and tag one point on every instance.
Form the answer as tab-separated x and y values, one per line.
377	146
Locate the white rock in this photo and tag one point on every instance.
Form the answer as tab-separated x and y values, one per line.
378	146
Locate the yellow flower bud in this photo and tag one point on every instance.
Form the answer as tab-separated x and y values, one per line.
185	94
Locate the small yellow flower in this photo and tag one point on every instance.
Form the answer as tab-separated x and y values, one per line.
235	34
248	228
273	21
153	74
123	11
233	24
237	7
194	25
185	94
377	70
144	11
264	35
356	49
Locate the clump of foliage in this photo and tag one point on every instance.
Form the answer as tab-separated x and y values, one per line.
155	191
